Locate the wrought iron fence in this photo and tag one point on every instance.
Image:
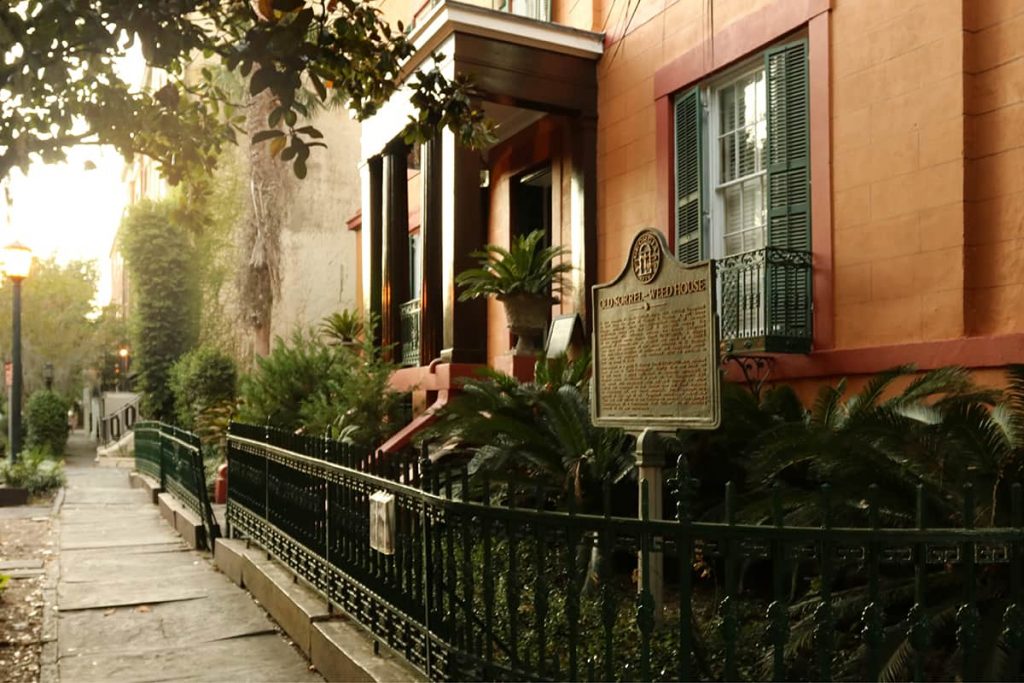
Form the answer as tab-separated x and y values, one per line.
486	582
148	452
411	332
766	301
174	457
120	422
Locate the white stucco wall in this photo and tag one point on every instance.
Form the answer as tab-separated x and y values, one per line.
318	251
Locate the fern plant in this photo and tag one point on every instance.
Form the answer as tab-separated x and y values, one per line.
524	268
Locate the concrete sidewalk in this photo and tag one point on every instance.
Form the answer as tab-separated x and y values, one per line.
134	604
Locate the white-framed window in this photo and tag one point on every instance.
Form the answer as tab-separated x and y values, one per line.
739	133
742	196
534	9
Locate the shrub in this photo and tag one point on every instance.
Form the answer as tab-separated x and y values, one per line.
165	315
204	383
309	385
46	416
274	391
356	403
203	379
34	471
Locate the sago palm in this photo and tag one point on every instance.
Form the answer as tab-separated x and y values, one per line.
537	432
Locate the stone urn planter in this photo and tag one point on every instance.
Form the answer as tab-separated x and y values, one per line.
527	316
527	278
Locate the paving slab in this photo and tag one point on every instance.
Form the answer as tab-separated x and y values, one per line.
101	566
111	496
253	658
173	546
200	583
170	624
133	604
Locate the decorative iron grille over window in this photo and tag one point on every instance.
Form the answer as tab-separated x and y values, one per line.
765	301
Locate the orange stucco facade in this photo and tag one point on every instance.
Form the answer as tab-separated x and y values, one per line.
917	163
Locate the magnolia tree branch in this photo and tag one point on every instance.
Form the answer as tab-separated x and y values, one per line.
299	51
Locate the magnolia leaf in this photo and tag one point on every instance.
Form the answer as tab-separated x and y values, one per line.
277	145
266	135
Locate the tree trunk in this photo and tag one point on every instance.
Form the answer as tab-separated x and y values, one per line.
261	239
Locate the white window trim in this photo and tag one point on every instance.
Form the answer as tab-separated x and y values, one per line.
714	222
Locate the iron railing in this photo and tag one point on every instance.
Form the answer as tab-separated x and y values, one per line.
411	332
148	453
120	422
765	301
174	457
489	583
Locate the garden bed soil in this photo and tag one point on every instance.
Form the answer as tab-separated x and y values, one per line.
26	549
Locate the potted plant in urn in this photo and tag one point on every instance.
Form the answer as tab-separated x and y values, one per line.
525	278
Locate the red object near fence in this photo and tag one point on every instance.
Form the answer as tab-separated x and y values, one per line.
220	485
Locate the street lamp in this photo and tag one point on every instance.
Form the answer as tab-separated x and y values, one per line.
48	375
123	354
17	261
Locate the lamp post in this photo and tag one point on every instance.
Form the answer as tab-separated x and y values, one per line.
122	353
17	261
48	376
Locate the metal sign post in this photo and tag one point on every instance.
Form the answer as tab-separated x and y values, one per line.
655	363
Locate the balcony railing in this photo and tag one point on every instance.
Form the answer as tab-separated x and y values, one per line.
766	301
411	332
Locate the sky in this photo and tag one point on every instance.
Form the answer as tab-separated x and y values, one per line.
67	211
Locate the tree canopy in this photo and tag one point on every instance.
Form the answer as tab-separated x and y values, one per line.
56	300
61	87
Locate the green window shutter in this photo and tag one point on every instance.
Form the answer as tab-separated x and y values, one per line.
689	181
788	262
789	186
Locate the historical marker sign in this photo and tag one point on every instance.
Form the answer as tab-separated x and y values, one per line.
655	355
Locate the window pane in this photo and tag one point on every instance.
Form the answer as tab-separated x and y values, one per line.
761	96
733	209
415	280
747	141
727	109
762	136
753	204
746	99
728	157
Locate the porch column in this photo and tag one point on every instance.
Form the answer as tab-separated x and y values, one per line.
464	322
372	184
394	248
583	212
431	303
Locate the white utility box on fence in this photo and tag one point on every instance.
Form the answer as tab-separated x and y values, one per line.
382	522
